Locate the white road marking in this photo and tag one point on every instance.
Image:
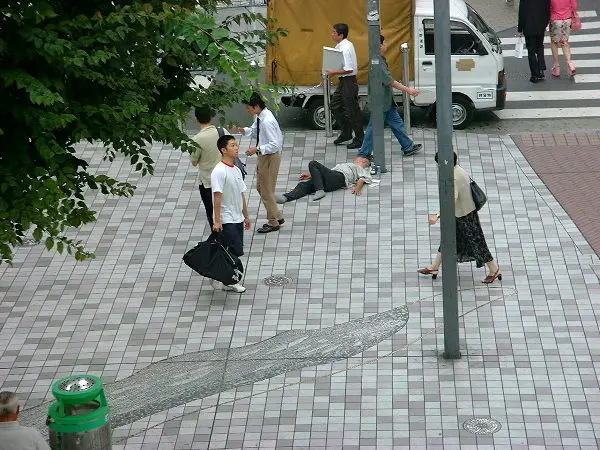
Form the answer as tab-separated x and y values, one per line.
586	77
548	113
520	96
547	51
574	38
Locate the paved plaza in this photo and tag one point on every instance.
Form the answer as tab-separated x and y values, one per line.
355	355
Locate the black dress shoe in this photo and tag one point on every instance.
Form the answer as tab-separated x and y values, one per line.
266	228
281	221
534	79
341	139
354	144
541	76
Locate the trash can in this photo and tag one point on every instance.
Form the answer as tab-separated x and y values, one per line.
78	420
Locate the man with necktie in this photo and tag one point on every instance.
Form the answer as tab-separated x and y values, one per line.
268	145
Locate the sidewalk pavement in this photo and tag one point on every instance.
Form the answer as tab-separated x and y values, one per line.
529	343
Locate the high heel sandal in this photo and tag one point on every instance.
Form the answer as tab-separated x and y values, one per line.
556	71
491	278
572	70
428	271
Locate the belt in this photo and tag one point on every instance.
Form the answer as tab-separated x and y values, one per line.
347	76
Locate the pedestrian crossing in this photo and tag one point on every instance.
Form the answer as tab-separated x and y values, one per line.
565	97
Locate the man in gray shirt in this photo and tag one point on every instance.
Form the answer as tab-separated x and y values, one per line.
13	436
320	179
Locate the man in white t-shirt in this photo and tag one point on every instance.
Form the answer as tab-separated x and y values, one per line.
344	102
229	203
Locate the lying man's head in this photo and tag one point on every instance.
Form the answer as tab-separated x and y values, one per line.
362	162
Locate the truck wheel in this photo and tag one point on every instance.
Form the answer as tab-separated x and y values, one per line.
316	114
462	112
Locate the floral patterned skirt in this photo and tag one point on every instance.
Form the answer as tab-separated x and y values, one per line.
560	31
470	241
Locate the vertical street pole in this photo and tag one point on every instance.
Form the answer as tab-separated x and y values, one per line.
375	87
405	49
326	107
443	81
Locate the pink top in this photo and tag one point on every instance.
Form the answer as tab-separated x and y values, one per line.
562	9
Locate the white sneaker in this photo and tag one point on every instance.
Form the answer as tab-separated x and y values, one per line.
238	288
216	285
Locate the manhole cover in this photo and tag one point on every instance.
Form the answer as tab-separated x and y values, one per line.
277	280
482	425
29	242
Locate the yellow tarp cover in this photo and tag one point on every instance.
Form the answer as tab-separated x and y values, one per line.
298	58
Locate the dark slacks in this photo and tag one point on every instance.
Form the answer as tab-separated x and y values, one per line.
345	108
206	196
321	178
232	237
535	54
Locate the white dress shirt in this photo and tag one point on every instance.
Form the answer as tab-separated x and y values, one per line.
350	61
270	137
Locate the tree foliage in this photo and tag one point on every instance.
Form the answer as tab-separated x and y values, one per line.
119	72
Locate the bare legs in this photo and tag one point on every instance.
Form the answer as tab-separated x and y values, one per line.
493	271
555	64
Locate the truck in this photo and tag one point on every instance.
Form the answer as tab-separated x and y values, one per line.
294	64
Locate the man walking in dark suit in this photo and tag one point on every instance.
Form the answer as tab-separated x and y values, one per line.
534	17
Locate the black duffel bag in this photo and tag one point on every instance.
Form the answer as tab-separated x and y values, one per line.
213	260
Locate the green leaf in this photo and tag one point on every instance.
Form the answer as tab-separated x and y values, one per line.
37	234
49	243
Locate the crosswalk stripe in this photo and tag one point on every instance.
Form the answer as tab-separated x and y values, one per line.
521	96
573	38
581	63
583	14
548	113
586	77
547	51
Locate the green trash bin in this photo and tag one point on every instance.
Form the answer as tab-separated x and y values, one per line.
78	420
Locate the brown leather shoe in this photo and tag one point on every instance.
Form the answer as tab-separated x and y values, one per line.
266	228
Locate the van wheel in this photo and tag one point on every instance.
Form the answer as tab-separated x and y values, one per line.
462	112
316	114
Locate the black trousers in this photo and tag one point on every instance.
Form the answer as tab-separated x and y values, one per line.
535	54
345	108
206	196
233	237
321	178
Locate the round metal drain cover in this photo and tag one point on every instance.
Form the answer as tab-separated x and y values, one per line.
29	242
482	425
277	280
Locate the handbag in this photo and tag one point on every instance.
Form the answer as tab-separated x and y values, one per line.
213	260
519	47
576	22
479	197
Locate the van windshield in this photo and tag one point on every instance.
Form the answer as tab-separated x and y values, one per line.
484	29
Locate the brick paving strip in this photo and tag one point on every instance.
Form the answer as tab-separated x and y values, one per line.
569	165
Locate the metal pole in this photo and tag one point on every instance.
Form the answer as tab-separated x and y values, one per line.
446	175
327	109
406	82
375	86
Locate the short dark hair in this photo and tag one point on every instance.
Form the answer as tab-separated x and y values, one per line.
223	142
255	100
381	39
204	113
455	157
342	28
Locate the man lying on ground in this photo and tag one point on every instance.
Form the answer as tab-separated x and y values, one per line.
320	179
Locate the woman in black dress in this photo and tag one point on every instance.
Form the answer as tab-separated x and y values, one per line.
470	241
